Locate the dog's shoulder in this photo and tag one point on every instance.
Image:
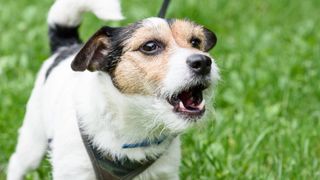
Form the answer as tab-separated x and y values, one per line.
60	56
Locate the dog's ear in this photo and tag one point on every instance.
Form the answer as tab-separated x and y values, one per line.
211	39
93	53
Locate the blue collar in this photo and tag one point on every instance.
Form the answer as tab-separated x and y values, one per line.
145	143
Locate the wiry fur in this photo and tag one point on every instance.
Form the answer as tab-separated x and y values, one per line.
107	111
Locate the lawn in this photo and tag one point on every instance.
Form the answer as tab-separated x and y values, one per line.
266	123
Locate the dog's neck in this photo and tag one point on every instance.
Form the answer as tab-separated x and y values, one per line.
121	126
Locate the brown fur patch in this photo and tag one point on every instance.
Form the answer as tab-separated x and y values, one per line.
140	73
183	31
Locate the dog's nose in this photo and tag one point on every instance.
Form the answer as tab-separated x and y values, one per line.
200	64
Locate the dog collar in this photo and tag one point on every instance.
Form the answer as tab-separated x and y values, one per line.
108	168
145	143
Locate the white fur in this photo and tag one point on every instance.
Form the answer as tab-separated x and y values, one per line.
69	12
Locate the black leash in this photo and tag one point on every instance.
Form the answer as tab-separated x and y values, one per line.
164	7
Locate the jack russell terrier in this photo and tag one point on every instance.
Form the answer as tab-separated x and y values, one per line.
114	107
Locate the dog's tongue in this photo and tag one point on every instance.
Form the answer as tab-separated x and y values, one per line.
189	100
186	98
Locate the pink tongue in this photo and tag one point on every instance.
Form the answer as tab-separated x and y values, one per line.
187	99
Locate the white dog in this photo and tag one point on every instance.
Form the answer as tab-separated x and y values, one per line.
114	107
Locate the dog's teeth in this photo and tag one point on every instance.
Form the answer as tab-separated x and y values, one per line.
201	105
181	105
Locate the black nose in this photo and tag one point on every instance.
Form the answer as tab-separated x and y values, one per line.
200	64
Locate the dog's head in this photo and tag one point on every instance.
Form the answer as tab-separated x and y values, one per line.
167	60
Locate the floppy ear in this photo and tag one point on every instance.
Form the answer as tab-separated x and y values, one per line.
93	53
211	39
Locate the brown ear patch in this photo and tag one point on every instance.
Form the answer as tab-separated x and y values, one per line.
91	56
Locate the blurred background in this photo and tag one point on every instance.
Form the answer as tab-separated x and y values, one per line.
266	123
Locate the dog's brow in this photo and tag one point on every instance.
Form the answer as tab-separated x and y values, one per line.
183	31
150	29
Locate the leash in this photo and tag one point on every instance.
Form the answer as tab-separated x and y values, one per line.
164	7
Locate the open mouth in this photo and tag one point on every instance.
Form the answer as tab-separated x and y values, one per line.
189	103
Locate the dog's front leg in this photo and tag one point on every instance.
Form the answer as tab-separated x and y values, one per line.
70	159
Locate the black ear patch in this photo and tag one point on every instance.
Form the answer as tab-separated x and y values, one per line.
94	52
211	39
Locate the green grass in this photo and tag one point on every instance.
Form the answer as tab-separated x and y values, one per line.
266	123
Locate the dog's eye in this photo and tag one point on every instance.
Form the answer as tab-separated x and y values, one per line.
151	47
195	42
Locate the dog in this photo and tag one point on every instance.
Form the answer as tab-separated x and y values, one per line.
125	95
